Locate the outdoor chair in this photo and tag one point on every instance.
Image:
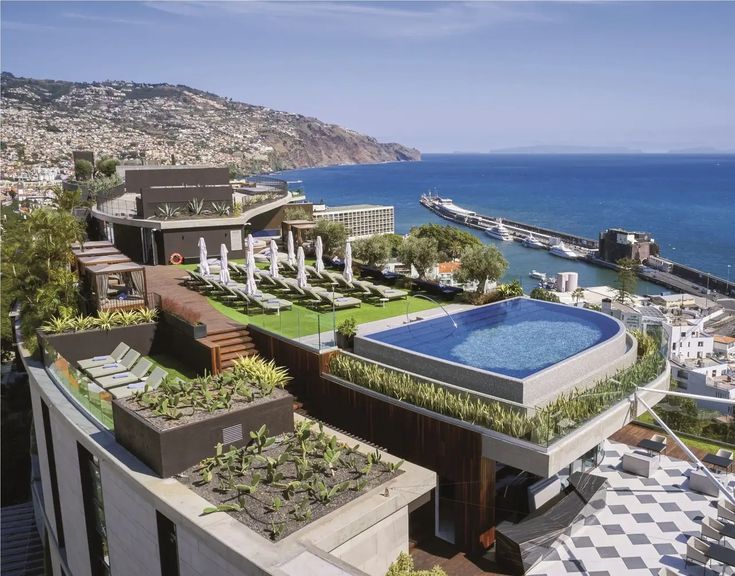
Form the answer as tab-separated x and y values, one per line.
696	552
282	284
725	510
153	381
712	529
293	283
289	267
269	305
389	293
125	364
265	277
115	356
316	276
135	374
337	300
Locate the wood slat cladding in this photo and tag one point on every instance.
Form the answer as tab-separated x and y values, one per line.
454	453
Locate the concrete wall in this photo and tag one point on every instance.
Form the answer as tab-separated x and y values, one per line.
580	371
186	242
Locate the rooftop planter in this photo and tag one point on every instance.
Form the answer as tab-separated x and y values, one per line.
175	426
279	484
182	318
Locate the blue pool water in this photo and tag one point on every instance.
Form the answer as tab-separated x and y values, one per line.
515	338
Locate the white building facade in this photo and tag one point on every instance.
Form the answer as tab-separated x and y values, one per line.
688	341
361	220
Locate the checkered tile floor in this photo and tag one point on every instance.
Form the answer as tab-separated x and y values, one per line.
643	528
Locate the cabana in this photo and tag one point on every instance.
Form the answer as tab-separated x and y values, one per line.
89	261
120	286
301	229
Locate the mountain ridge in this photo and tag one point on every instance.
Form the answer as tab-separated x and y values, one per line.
43	120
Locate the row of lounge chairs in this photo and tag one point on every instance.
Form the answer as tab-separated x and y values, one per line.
123	371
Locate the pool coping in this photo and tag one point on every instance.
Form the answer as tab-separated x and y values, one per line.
370	348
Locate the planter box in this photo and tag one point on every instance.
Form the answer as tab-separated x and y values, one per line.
172	451
75	346
195	331
344	342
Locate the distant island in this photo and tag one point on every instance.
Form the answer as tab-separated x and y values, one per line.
44	120
555	149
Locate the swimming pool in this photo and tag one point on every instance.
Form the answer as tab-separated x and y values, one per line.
518	349
516	337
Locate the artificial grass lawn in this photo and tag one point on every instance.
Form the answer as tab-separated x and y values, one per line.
173	366
301	321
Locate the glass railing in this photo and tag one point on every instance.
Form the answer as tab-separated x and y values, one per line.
91	397
308	327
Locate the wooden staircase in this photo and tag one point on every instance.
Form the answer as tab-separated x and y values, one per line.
227	345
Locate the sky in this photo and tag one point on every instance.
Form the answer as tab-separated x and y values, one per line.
440	76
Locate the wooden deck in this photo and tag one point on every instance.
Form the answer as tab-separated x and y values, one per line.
167	282
633	433
435	552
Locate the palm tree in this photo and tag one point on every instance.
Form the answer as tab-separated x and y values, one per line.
578	294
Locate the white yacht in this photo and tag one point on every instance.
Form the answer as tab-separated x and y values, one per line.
499	231
563	251
537	275
531	241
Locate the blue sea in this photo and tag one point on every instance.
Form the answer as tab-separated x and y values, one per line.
687	202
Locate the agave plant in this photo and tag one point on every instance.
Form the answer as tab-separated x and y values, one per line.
195	206
58	324
221	208
106	319
167	210
147	315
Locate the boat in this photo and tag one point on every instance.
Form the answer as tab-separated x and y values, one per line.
446	208
537	275
531	241
563	251
499	231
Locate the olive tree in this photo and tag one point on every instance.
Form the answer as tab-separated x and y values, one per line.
450	240
373	251
107	166
334	235
83	169
421	253
481	263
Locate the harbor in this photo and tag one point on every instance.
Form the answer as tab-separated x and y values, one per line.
514	242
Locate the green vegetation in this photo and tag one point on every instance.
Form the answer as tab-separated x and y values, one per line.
334	235
421	253
105	320
173	365
282	482
566	412
481	263
374	251
451	241
251	377
66	199
83	170
36	270
296	213
403	566
348	327
627	279
501	292
106	166
543	294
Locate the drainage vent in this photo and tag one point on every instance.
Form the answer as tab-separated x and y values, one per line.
232	434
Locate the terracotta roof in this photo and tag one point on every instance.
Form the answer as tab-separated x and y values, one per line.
724	339
448	267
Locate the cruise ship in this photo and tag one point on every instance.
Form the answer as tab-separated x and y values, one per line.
531	241
563	251
445	208
499	231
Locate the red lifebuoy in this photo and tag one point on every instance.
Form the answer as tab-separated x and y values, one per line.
176	258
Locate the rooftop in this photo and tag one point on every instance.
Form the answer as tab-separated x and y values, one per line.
351	207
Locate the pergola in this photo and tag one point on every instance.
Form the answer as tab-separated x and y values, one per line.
300	229
120	286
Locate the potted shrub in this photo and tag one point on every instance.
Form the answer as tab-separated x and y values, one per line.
346	331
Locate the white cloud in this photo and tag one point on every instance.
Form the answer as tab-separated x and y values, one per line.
104	19
408	20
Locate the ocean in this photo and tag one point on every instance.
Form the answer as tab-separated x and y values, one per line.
687	202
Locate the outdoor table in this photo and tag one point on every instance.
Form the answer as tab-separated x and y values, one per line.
717	461
652	445
722	554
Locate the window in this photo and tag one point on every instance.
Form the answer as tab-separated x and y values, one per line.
673	346
52	473
700	344
168	549
94	512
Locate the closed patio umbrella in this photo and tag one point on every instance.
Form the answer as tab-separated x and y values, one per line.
301	279
203	264
319	265
348	263
274	259
250	286
289	246
224	272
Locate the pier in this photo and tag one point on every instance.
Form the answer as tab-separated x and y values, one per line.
680	277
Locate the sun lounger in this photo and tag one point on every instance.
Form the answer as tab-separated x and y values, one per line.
331	299
115	356
125	364
389	293
355	286
135	374
153	381
266	305
316	276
